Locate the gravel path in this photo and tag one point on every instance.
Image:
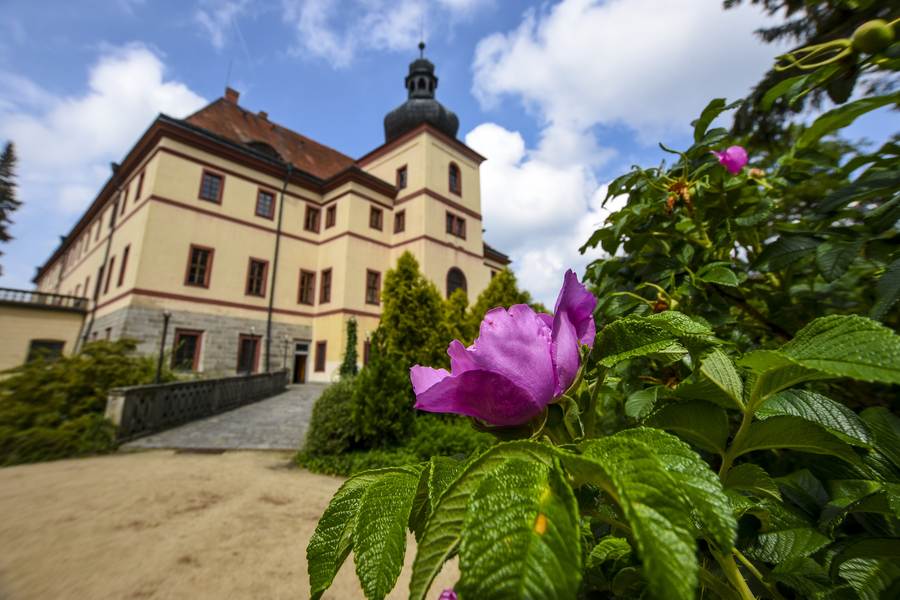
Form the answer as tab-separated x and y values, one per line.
278	423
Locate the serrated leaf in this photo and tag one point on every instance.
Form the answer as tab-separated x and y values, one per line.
678	324
610	548
332	541
710	112
718	368
718	274
753	479
438	474
873	579
871	183
778	546
641	402
629	338
521	536
841	117
804	490
379	533
782	88
441	536
785	251
833	257
885	428
772	372
791	433
836	418
847	346
700	423
887	291
854	496
804	575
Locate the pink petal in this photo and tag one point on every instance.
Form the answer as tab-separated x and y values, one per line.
578	304
424	378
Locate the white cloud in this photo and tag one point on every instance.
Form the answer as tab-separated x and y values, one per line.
642	65
66	143
337	31
217	17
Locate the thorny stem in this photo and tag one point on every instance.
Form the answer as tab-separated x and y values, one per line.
759	576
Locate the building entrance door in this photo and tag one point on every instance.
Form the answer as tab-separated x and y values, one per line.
301	352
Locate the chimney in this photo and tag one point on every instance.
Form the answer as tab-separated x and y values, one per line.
263	115
232	95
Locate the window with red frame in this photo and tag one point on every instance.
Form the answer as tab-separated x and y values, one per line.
199	266
325	287
375	218
265	204
400	222
140	187
186	350
256	277
330	216
311	222
401	177
367	349
211	187
454	179
124	264
109	273
456	225
373	287
321	350
307	292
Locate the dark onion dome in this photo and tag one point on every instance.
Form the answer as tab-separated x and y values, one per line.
420	106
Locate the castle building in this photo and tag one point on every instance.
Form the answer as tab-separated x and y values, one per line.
253	245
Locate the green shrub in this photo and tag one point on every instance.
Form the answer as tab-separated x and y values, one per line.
52	409
440	435
331	428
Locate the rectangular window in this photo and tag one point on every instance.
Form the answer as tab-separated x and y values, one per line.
330	216
46	349
307	292
112	216
109	273
248	353
265	204
401	177
186	350
400	222
211	185
99	285
124	202
373	287
199	266
97	232
325	287
456	225
140	187
124	264
107	333
375	216
321	349
311	222
257	270
367	349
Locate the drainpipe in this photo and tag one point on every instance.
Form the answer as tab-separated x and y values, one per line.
287	177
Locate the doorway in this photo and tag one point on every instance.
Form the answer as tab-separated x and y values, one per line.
301	353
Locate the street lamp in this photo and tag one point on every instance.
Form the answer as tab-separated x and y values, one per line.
162	345
284	358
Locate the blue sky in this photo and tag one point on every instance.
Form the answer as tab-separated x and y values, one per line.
560	96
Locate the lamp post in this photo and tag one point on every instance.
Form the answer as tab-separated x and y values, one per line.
284	358
162	345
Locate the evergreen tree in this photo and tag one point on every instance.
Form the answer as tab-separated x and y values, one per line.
503	290
8	201
348	367
456	321
382	412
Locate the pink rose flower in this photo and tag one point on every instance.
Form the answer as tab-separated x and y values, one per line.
733	159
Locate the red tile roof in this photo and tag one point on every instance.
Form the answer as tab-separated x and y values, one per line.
225	118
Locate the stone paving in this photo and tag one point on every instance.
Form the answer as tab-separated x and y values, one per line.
277	423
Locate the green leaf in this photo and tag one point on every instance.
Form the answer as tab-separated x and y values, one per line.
780	89
847	346
379	534
785	251
836	418
641	402
885	428
700	423
331	543
441	536
719	369
871	183
629	338
887	291
872	578
521	536
678	324
712	110
753	479
841	117
610	548
438	474
855	496
804	575
834	257
779	546
772	372
718	274
792	433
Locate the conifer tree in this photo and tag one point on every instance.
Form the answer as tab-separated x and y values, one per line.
8	201
348	367
456	321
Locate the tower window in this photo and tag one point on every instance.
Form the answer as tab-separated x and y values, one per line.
375	218
373	287
456	225
211	187
265	204
400	222
307	291
311	223
455	280
330	216
454	180
401	177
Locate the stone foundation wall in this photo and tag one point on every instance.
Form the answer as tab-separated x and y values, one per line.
219	345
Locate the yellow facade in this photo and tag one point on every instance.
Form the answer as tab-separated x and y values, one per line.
28	325
161	224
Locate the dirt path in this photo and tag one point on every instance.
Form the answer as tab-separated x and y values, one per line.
165	525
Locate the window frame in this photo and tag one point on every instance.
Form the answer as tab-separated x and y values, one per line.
265	277
455	225
367	351
325	276
212	173
321	359
400	221
109	271
255	367
310	209
271	215
376	215
208	274
450	169
125	252
404	179
330	216
312	288
195	361
465	283
377	274
32	352
140	187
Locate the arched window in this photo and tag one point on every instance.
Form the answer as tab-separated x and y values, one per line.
454	179
421	84
455	280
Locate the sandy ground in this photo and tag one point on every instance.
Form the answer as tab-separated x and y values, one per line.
165	525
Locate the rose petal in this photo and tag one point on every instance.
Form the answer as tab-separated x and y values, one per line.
566	352
423	378
578	303
461	358
485	395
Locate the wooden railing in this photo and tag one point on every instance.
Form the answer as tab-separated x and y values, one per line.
43	299
141	410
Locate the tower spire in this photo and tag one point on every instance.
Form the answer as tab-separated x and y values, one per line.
422	49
